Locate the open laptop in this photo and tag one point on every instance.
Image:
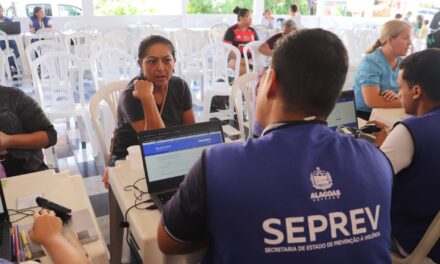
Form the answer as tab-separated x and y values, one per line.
5	231
344	113
169	153
11	28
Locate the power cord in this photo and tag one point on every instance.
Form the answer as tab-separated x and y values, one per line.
26	212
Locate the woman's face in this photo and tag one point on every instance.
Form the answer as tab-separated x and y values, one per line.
246	20
268	14
40	14
158	64
401	44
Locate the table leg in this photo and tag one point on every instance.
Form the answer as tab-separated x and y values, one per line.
116	232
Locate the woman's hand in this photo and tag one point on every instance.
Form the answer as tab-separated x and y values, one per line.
382	134
389	95
47	228
143	90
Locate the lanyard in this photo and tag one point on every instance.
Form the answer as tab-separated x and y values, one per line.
277	125
163	101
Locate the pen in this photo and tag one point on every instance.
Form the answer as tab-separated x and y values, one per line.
27	248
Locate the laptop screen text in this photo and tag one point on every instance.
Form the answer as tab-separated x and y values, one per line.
343	114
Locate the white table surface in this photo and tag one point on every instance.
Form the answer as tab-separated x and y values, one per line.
143	223
389	116
60	188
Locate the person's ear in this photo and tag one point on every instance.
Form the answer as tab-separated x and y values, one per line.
417	92
271	84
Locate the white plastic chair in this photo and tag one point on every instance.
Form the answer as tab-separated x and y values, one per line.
60	75
146	32
126	38
74	25
9	53
259	61
420	253
217	32
81	46
216	73
110	65
3	63
350	78
103	42
262	32
102	111
50	34
244	88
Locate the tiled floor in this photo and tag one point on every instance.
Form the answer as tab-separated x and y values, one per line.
76	156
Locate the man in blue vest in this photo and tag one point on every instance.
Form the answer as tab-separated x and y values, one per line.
413	147
301	193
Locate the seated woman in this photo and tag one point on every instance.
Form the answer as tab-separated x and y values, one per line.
154	99
24	131
376	79
39	20
239	35
267	47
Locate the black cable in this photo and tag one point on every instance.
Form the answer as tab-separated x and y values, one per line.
26	212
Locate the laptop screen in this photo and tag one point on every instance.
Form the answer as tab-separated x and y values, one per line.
168	154
344	113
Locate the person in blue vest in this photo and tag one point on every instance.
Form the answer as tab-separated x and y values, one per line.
39	20
301	193
413	147
12	43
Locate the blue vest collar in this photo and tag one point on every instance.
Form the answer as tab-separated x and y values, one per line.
285	124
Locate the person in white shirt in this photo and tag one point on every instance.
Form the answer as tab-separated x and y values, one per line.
295	15
268	20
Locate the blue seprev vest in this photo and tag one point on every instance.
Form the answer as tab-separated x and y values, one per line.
300	194
416	198
36	24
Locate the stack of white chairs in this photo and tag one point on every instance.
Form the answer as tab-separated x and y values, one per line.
243	96
110	65
59	85
74	25
216	74
9	53
50	34
217	32
125	37
78	44
259	61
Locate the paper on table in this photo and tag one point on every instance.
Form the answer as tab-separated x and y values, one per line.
26	202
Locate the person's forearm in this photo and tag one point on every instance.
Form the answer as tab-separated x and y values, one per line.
61	251
151	114
265	50
36	140
380	102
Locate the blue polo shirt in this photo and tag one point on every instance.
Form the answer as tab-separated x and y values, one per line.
301	193
374	70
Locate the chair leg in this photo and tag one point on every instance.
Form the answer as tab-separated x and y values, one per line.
206	106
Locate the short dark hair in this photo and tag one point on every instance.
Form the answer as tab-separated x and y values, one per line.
311	66
153	40
37	9
240	12
294	8
423	68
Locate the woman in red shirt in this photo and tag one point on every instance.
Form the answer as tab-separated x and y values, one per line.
240	34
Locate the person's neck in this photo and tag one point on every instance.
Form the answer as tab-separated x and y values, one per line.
280	115
426	107
242	27
160	89
389	56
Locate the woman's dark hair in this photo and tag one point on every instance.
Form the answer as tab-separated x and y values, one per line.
422	68
294	8
308	84
37	9
240	12
153	40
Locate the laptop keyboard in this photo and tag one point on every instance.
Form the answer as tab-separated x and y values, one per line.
165	196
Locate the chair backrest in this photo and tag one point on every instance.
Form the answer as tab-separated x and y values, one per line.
188	45
74	25
110	94
262	32
103	42
3	61
50	34
217	32
109	65
62	75
215	63
125	37
39	48
244	88
420	253
259	61
78	44
4	37
146	32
